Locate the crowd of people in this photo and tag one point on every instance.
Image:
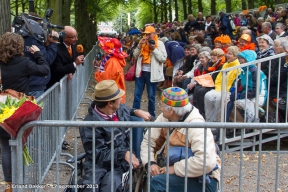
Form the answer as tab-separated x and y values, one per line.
170	56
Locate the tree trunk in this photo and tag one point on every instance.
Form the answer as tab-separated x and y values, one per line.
165	11
66	5
200	6
176	10
251	4
155	11
162	11
228	6
170	10
185	15
23	3
56	5
83	24
5	21
213	7
244	5
16	8
189	7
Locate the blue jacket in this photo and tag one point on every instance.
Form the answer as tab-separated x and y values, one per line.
174	51
37	83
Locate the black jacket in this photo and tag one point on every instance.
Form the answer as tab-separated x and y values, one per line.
103	151
189	25
63	64
103	140
16	73
37	83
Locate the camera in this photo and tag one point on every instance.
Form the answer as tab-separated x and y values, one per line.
28	25
99	56
151	42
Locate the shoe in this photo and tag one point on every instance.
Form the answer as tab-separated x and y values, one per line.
65	143
261	112
8	187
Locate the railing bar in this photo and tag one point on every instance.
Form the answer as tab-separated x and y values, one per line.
186	160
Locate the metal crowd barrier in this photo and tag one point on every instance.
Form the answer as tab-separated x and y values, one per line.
255	132
19	179
61	102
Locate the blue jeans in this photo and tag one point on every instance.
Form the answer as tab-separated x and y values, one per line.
140	83
176	183
137	136
36	93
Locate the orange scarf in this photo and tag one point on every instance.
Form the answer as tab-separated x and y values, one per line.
145	52
249	46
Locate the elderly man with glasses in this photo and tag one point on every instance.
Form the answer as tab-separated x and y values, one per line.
67	58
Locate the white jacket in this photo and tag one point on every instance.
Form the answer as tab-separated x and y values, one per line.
177	138
158	57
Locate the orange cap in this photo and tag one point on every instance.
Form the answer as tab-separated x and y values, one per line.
246	37
149	29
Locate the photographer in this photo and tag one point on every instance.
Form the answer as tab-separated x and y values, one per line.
37	84
67	58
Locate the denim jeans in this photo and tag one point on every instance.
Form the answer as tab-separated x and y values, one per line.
36	93
137	136
176	183
140	83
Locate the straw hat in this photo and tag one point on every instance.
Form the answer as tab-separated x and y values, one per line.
107	90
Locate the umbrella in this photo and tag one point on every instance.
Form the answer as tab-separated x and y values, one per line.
134	32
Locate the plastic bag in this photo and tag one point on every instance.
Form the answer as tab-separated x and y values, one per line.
130	74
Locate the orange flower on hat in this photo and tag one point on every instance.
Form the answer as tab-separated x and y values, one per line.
112	46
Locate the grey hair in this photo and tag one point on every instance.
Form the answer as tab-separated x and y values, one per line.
283	42
179	110
205	54
260	19
267	24
281	25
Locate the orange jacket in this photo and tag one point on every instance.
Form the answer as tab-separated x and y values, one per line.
114	71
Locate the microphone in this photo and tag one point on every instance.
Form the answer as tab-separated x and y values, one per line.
80	50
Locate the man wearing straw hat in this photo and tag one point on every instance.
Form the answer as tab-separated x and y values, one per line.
175	107
107	107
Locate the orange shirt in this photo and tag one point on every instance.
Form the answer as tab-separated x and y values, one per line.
114	71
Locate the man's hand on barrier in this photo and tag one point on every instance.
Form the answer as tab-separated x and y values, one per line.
154	170
135	161
171	170
69	76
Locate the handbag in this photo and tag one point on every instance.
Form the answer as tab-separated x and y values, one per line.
130	74
205	80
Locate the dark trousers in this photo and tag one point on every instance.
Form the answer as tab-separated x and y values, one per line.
176	183
198	98
6	155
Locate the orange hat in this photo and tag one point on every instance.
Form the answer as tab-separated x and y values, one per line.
112	46
225	39
149	29
217	39
246	37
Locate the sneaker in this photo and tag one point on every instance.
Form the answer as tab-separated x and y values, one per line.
261	112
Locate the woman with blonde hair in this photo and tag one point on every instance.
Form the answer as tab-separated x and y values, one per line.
214	66
213	98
